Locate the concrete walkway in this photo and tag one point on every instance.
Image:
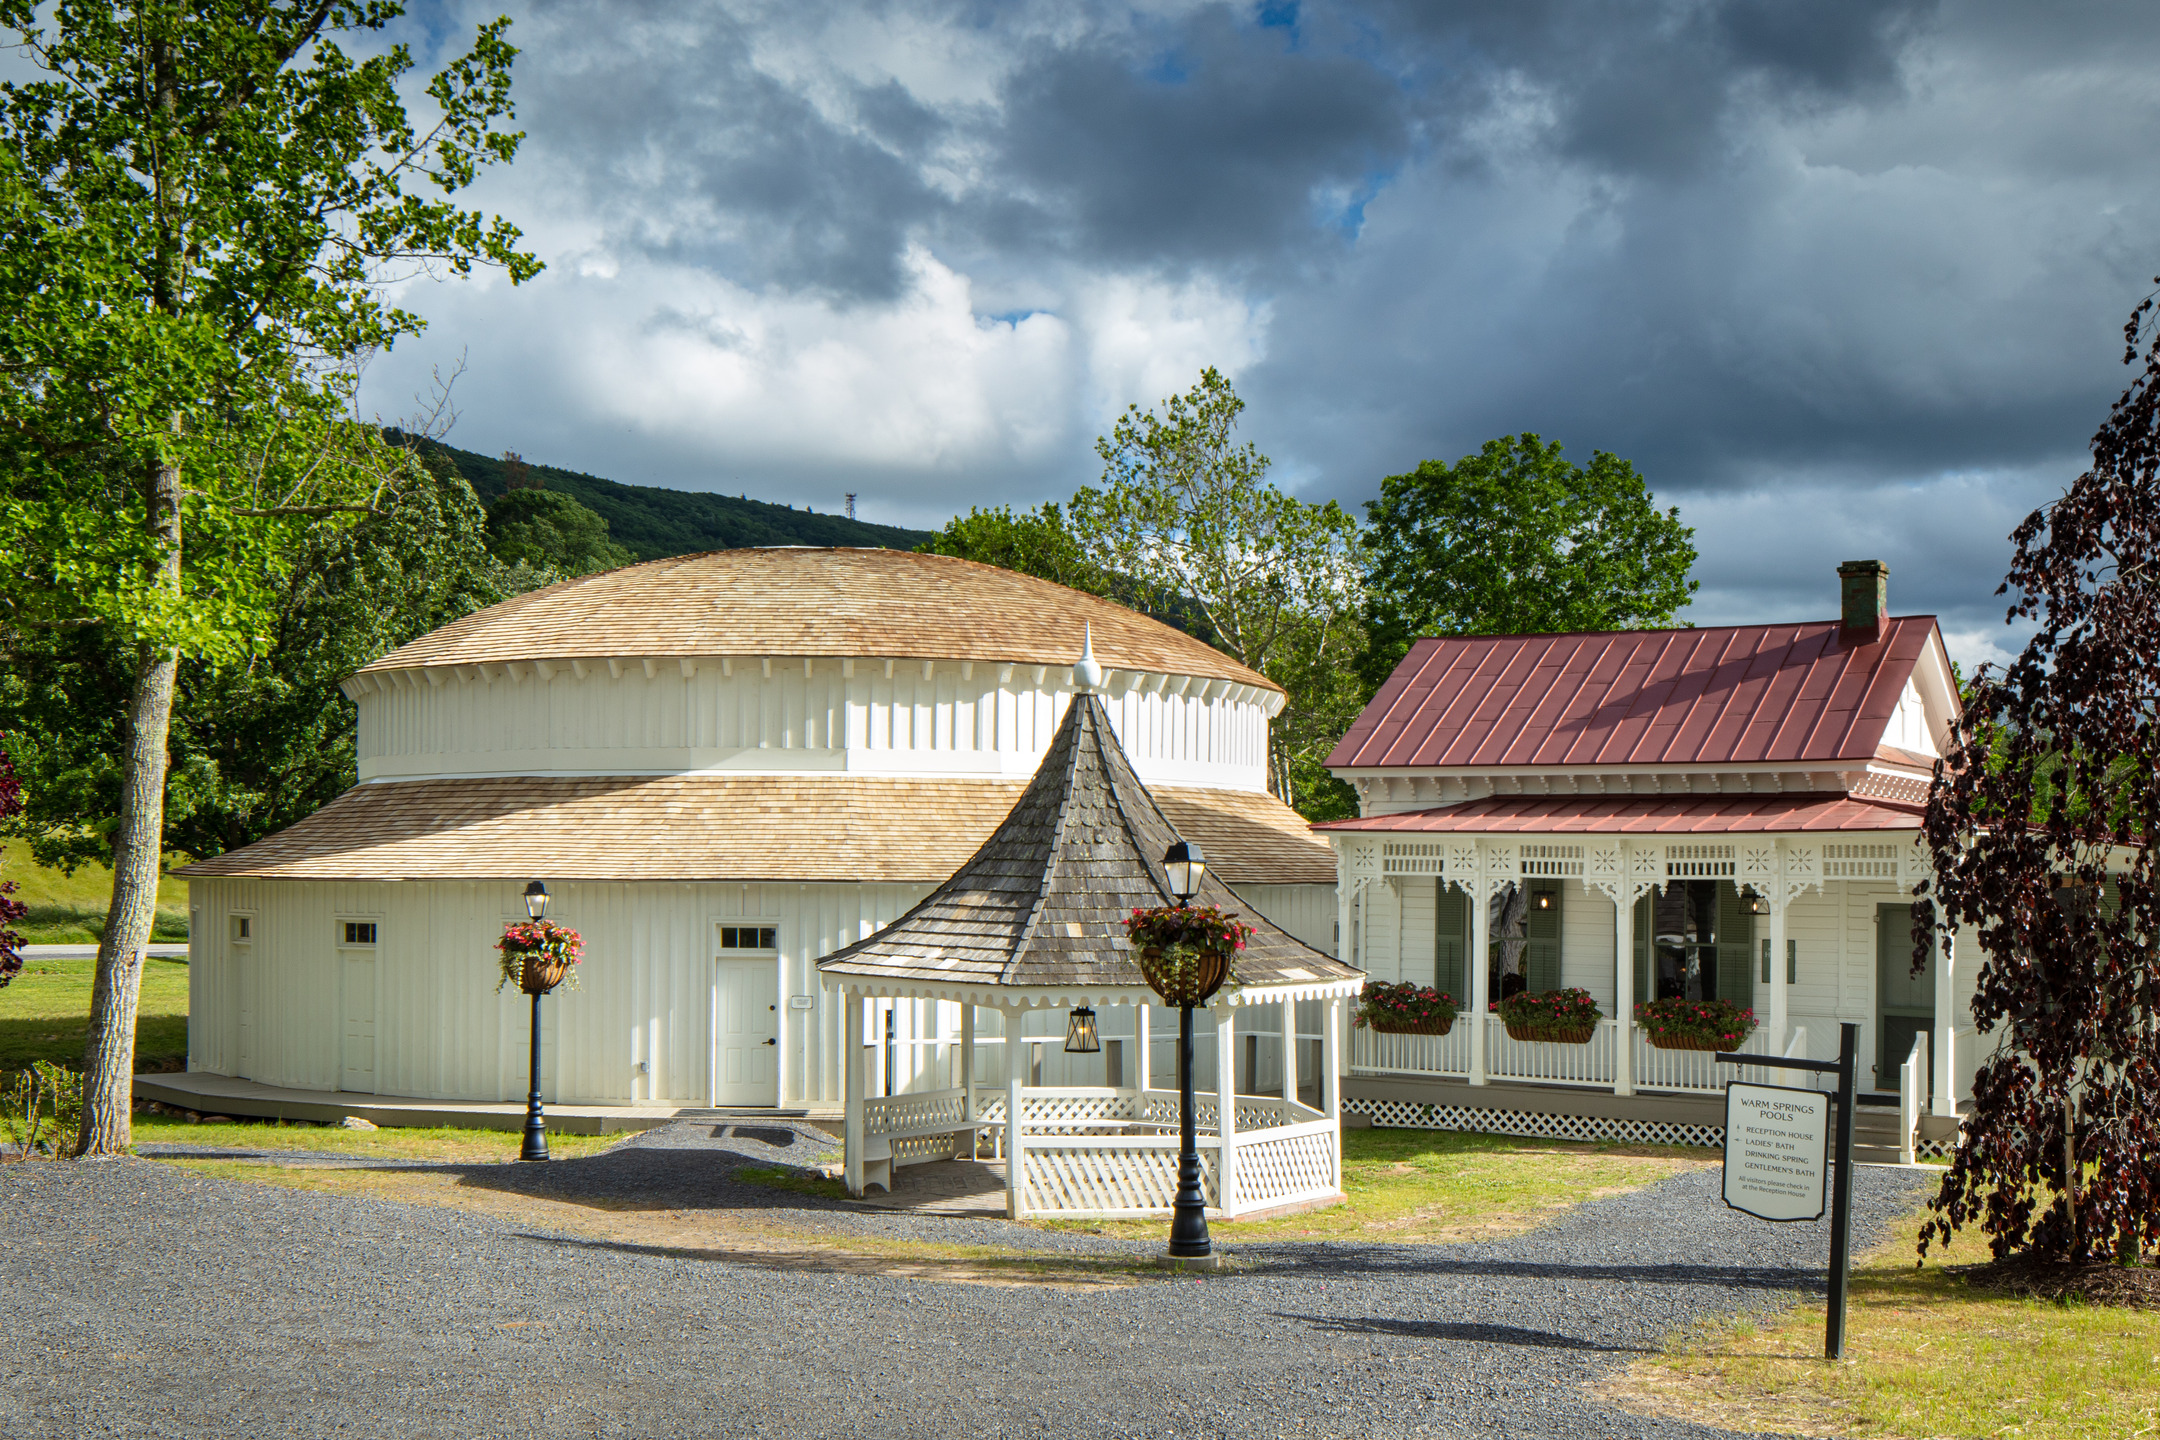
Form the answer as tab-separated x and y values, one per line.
210	1094
89	952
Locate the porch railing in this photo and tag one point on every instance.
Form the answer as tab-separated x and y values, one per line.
1545	1062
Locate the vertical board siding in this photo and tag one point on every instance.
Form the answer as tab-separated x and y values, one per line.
502	721
443	1032
1305	911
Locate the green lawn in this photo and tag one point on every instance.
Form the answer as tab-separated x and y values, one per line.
45	1014
70	909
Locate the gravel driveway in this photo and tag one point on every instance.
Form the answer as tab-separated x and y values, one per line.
147	1300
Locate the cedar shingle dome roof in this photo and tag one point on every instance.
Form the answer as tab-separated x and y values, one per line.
797	600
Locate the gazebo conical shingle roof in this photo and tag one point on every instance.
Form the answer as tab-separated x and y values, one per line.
1041	907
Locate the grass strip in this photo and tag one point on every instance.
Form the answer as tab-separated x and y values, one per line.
1441	1186
1927	1354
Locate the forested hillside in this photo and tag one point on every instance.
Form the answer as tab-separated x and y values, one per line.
651	522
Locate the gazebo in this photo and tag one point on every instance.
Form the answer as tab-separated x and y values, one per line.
1037	919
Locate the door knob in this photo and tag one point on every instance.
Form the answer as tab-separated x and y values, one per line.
772	1042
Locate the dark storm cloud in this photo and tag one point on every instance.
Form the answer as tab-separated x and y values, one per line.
1865	256
687	150
1211	140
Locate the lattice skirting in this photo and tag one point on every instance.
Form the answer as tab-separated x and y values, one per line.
1410	1115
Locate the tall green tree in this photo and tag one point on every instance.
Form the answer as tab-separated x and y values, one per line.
1516	540
200	204
1188	515
546	529
1035	542
262	740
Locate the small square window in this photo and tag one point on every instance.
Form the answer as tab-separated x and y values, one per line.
749	937
242	926
359	932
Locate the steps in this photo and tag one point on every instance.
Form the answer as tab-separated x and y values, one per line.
1875	1135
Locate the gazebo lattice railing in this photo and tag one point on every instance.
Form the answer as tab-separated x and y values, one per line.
1101	1151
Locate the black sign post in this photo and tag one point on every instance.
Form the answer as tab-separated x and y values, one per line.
1841	1178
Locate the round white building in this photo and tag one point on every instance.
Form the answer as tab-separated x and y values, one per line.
724	767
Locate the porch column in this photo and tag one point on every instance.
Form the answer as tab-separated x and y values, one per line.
1330	1066
1344	885
967	1062
1480	970
1141	1077
1225	1105
851	1028
1289	1050
1015	1141
1623	1063
1778	1020
1945	963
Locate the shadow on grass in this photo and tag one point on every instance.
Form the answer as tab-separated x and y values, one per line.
159	1040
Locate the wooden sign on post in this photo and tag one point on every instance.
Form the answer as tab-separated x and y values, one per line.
1777	1144
1774	1140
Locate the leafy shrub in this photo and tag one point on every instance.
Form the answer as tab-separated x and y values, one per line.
42	1107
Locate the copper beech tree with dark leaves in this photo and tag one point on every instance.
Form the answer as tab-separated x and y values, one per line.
2037	822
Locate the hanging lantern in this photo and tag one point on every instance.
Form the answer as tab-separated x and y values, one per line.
1080	1036
1757	902
1543	900
1182	867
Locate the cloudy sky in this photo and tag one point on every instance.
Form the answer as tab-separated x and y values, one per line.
1843	279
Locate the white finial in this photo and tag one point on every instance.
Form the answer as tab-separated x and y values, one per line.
1088	673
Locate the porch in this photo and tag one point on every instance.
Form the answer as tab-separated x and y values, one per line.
1807	932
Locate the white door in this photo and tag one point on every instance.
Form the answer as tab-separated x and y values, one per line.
745	1023
357	1002
243	980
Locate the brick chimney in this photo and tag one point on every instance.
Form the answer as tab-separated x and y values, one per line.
1863	601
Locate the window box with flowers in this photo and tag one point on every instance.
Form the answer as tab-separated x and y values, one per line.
538	955
1185	951
1681	1024
1563	1017
1405	1009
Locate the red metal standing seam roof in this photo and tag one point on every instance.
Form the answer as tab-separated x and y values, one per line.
1643	815
1735	694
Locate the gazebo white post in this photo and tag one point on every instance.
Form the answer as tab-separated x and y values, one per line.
1015	1160
1289	1050
1225	1106
967	1066
851	1028
1330	1070
1141	1077
1480	968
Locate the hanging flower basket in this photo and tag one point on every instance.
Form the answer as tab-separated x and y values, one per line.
1405	1009
1558	1017
538	955
1185	953
1678	1024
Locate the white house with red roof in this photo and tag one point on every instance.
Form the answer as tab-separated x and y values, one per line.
1725	813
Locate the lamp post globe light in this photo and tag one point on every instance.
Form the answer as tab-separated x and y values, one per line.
535	1146
1183	867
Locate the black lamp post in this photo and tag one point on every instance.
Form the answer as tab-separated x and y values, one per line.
1183	867
535	1147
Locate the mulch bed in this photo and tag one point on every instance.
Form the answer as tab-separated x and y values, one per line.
2090	1282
